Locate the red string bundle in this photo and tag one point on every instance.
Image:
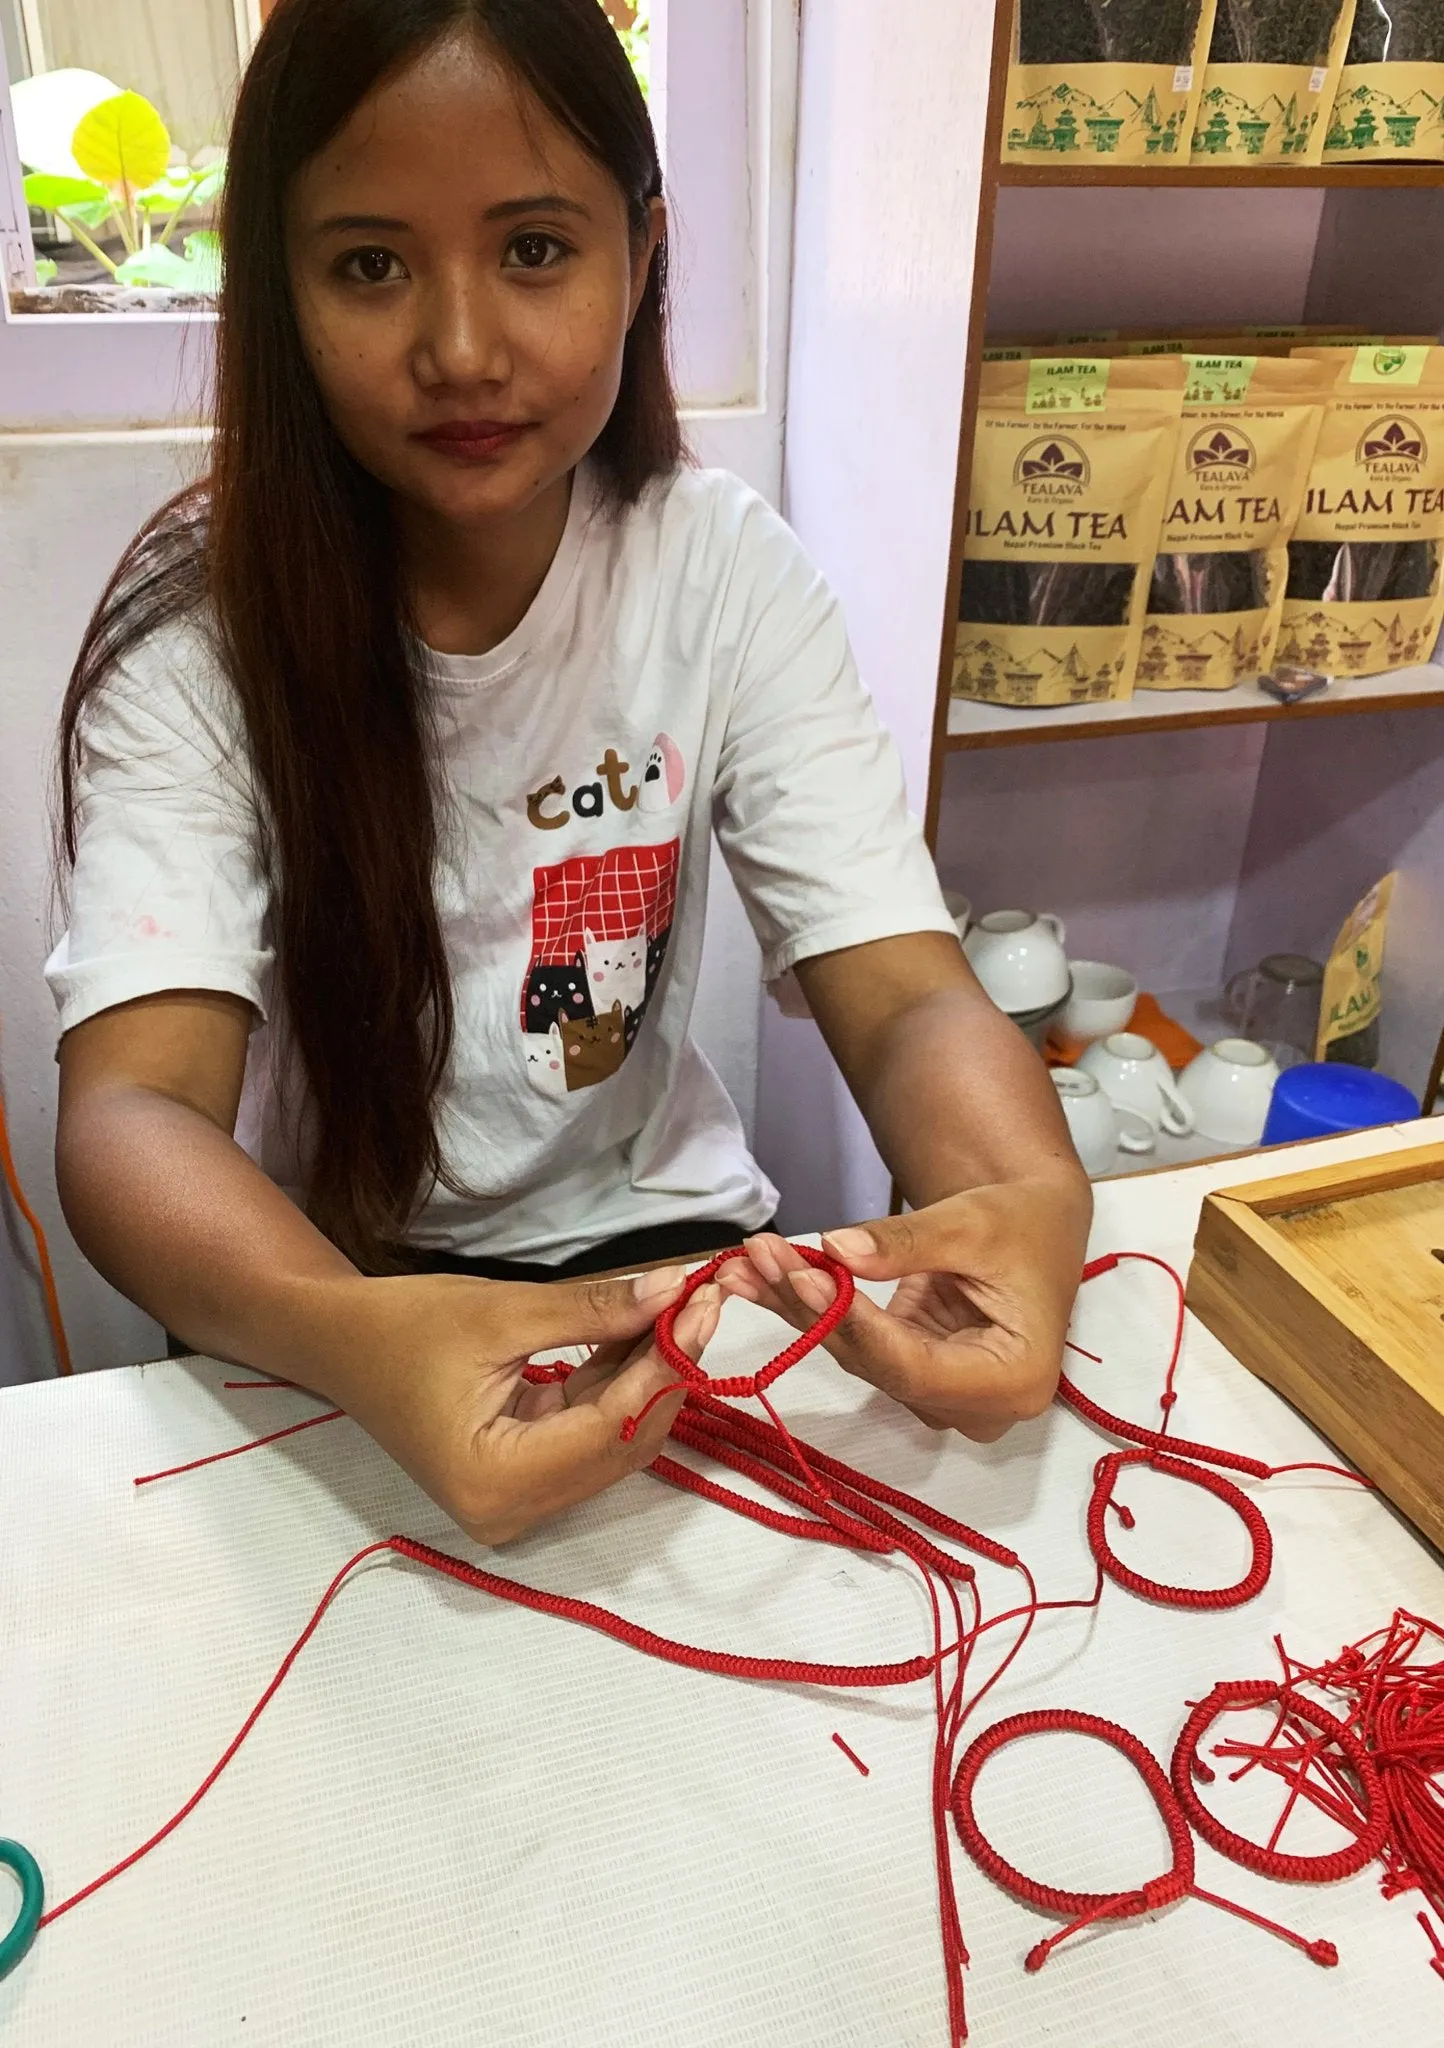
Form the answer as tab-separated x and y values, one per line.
1395	1727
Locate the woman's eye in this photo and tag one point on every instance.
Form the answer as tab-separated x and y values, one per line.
535	252
372	266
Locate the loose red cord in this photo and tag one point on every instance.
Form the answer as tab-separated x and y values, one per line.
842	1506
53	1316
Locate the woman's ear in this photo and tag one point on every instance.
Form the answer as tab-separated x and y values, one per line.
644	248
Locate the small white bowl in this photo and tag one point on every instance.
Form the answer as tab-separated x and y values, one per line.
1103	1001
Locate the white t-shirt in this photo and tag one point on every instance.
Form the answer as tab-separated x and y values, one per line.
683	670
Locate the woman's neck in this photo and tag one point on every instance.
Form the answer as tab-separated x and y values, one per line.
471	586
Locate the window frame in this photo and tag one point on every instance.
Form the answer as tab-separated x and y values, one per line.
731	185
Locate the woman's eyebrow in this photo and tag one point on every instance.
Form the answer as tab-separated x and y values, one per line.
349	223
505	209
537	202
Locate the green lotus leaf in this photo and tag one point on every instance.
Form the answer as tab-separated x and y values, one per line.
42	188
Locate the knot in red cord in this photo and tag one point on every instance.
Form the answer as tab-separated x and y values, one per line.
742	1386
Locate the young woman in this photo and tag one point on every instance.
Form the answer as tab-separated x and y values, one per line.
391	760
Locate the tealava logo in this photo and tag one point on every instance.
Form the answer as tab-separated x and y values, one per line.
1054	467
1388	362
1217	456
1393	448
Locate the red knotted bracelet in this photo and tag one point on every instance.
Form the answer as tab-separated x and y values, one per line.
1083	1909
1247	1588
1333	1734
742	1386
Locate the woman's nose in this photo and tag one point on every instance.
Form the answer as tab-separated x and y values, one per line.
462	339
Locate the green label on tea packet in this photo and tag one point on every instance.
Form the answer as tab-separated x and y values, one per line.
1069	384
1392	364
1218	380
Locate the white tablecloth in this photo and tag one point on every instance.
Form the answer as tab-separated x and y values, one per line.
460	1823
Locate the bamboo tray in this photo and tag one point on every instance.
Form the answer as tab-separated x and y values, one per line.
1330	1286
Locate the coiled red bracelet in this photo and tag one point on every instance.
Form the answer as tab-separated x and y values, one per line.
1247	1588
1269	1861
742	1386
1083	1909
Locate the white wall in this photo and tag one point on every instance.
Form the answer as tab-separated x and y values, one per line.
68	505
893	101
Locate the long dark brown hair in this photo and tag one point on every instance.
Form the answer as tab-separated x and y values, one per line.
287	552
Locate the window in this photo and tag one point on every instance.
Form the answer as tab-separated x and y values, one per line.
721	78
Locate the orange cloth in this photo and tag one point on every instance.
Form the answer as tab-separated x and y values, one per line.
1149	1021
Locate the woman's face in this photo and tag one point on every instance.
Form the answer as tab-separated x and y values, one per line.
464	276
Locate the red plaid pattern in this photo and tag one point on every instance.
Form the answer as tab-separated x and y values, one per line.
608	894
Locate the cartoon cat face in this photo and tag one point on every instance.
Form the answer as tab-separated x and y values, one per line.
617	972
594	1049
546	1066
664	776
556	992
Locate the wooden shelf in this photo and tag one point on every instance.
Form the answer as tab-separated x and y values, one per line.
1192	177
972	725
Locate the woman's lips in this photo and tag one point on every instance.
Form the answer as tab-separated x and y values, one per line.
471	440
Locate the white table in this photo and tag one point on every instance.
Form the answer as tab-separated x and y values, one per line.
461	1823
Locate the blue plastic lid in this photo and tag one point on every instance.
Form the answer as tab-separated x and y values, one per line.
1313	1101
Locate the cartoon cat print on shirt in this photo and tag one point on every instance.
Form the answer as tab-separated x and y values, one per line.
600	926
616	973
546	1060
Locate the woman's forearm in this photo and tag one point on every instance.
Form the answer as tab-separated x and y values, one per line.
956	1098
170	1209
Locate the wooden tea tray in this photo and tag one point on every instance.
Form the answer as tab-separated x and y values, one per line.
1330	1286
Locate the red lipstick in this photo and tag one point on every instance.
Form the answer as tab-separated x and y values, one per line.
471	440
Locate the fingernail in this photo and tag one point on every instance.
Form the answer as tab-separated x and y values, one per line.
657	1289
764	1258
852	1244
812	1288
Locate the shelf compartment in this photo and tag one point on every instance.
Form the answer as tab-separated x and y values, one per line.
1197	177
972	725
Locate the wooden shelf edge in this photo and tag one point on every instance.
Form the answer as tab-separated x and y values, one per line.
1196	177
1252	711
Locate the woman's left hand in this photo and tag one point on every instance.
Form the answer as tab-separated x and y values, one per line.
972	1339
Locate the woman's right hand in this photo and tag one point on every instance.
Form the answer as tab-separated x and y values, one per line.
432	1368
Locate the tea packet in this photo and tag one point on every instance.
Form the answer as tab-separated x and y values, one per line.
1365	593
1245	447
1273	71
1353	983
1114	79
1070	467
1390	101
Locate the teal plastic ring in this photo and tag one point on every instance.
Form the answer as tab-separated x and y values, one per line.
15	1945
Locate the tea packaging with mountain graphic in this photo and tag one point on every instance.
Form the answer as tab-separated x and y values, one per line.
1070	468
1365	593
1246	442
1114	80
1390	103
1273	71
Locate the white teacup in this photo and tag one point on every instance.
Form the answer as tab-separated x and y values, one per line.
960	910
1134	1075
1019	958
1229	1088
1103	1001
1097	1127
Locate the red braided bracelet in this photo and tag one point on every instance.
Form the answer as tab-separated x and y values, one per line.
742	1386
1247	1588
1083	1909
1269	1861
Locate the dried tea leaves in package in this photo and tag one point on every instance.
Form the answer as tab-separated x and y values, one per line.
1106	78
1365	593
1250	425
1390	102
1272	74
1070	467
